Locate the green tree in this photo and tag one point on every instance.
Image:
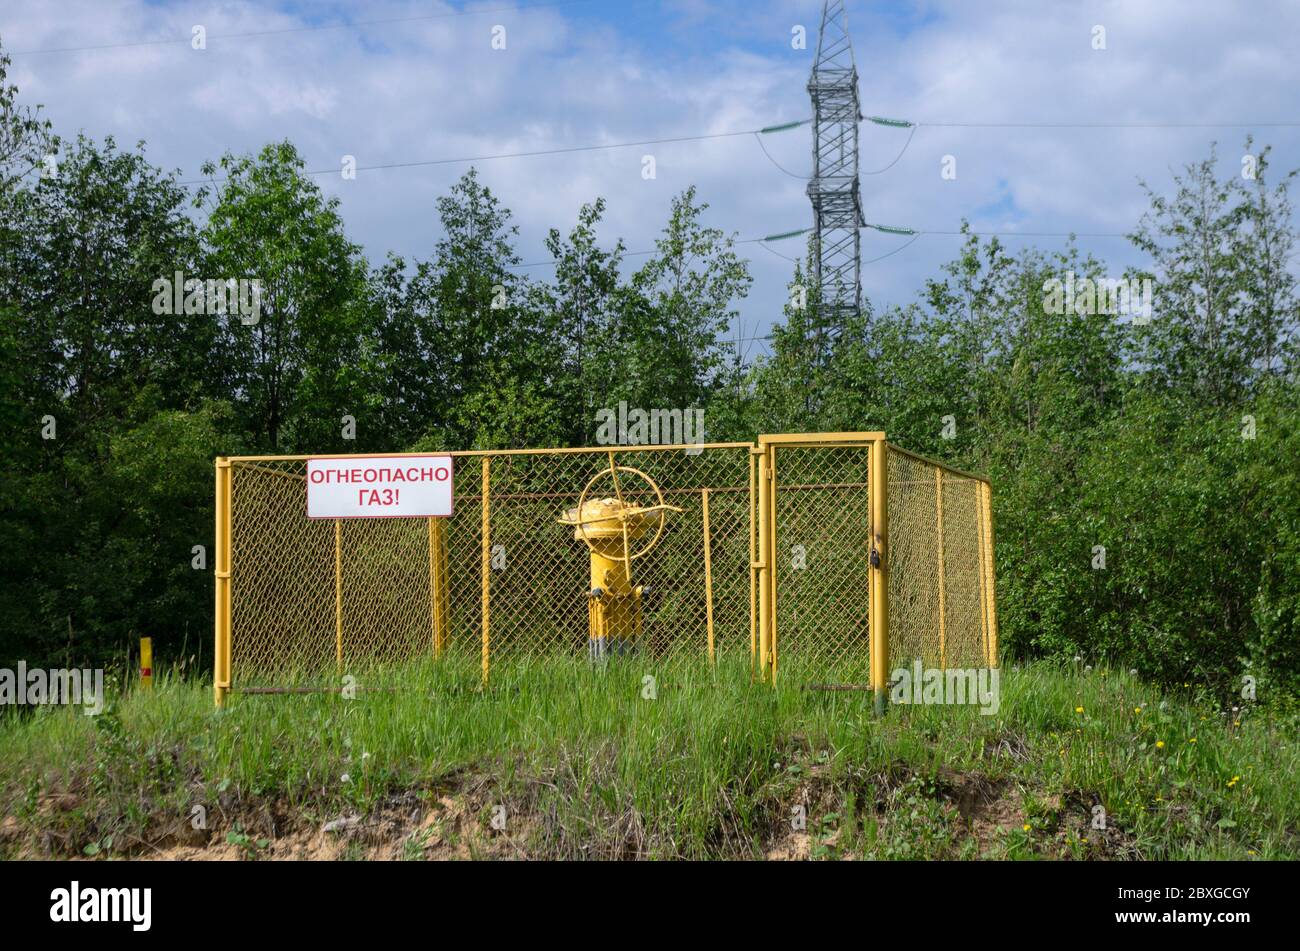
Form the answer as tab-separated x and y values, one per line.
793	384
307	359
26	139
462	336
1226	305
87	358
672	346
583	312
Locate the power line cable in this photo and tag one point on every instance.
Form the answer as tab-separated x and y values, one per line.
907	232
874	171
534	153
906	145
909	124
889	254
509	155
628	254
779	254
1111	125
759	140
768	239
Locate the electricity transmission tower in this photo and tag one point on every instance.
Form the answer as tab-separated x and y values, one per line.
833	190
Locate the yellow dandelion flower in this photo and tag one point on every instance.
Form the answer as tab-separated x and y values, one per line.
1137	709
1078	709
1160	744
1025	827
1192	740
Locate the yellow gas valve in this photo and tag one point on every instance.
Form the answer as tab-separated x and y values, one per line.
612	526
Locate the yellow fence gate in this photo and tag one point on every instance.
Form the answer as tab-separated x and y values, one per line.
817	558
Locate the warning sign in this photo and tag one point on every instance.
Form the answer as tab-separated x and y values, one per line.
379	487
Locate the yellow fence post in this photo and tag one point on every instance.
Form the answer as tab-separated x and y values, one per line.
338	593
753	562
433	591
879	596
487	561
437	586
943	587
444	586
764	563
982	576
146	662
221	655
990	586
772	637
708	573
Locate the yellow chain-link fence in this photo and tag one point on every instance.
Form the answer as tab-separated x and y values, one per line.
773	554
941	600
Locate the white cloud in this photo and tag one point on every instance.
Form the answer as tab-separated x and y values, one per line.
589	73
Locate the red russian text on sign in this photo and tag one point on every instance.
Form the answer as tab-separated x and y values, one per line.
379	487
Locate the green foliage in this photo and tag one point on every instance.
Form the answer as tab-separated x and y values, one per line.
91	361
585	766
25	138
1171	445
305	363
1097	431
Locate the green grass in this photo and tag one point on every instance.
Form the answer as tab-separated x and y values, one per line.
585	765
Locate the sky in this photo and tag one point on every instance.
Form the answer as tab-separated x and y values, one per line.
595	72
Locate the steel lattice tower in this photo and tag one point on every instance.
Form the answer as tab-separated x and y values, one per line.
834	191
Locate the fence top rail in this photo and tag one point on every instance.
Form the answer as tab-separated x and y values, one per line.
566	450
894	447
810	439
821	439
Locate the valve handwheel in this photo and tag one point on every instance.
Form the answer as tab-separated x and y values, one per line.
624	512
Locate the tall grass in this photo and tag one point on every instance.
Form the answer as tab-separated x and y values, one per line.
691	763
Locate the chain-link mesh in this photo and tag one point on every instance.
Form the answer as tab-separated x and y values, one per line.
821	548
312	598
937	571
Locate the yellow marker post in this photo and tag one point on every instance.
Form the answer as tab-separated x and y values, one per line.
146	662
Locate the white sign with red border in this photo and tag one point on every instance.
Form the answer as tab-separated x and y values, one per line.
379	487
